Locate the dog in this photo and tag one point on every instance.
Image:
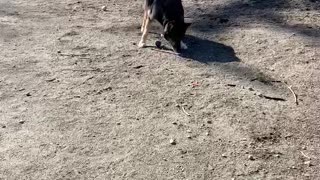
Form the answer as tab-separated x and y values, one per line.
170	14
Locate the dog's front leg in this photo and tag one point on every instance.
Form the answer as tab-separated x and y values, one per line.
145	16
145	32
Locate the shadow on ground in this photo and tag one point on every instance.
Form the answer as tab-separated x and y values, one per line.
243	13
206	51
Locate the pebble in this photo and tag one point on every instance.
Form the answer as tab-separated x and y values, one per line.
189	136
118	123
251	89
307	163
250	157
22	122
209	122
224	155
173	141
104	8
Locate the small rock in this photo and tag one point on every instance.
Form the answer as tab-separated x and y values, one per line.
224	155
28	94
104	8
58	51
207	133
3	126
277	155
304	148
306	175
173	141
174	123
308	163
250	157
209	122
22	122
251	89
189	136
118	123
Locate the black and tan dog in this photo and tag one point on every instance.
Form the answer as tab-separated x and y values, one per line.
170	14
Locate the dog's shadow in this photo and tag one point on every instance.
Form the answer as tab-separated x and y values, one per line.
206	51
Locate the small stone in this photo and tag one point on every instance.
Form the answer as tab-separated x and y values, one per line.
308	163
189	136
250	157
251	89
306	175
224	155
22	122
277	155
207	133
118	123
3	126
58	51
174	123
209	122
28	94
173	141
104	8
304	148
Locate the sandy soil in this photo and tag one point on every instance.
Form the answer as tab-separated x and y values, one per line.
79	100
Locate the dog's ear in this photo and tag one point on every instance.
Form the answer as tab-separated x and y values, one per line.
186	25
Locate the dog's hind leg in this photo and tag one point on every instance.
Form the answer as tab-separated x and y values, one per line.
145	32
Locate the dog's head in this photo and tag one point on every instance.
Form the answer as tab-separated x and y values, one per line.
174	33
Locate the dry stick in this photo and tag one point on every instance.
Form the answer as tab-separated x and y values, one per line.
305	155
185	111
294	94
164	51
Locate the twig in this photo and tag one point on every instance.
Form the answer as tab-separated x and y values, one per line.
185	111
169	52
273	98
294	95
303	154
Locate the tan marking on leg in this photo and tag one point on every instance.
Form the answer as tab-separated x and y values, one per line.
144	20
145	33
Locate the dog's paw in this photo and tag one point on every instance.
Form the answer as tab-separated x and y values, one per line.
141	44
183	45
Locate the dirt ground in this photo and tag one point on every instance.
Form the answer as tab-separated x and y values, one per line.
80	100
